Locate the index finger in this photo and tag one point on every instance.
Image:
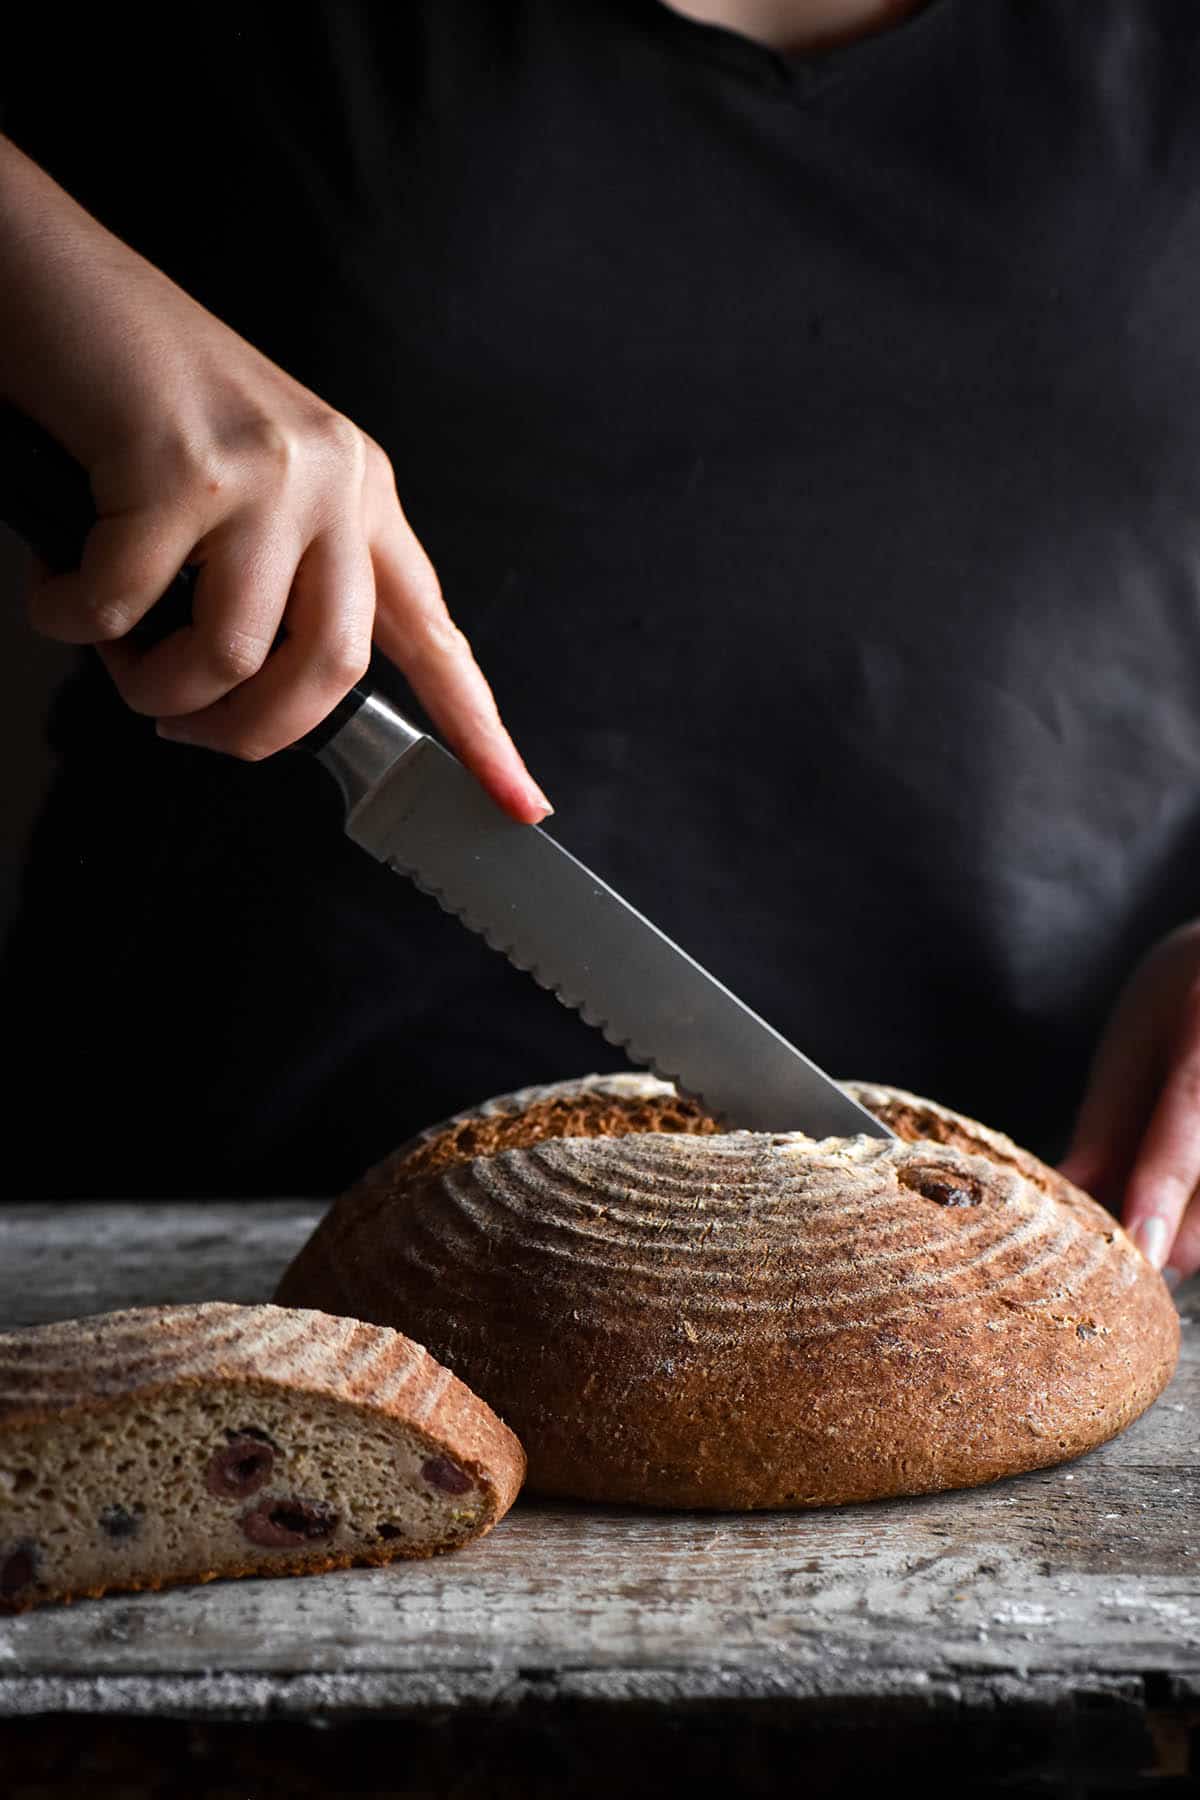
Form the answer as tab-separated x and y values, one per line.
414	629
1166	1168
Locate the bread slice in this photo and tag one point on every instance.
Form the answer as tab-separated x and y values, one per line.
673	1315
181	1443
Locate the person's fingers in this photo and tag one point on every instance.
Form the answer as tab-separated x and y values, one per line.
326	650
1183	1258
219	682
414	629
1166	1168
128	562
238	603
1123	1083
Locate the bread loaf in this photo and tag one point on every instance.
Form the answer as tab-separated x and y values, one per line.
672	1315
179	1443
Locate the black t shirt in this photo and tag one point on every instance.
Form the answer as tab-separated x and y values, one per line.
809	449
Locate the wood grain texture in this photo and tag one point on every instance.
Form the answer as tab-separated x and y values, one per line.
1052	1583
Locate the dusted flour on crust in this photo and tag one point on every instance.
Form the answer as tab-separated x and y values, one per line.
674	1315
180	1443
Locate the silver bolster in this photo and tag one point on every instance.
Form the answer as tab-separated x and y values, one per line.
370	743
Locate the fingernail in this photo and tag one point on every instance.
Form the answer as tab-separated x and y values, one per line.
541	800
1152	1239
1172	1277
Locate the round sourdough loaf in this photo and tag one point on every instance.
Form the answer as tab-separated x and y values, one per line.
672	1315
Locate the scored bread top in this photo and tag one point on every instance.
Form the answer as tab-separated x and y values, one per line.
654	1166
593	1106
717	1226
89	1363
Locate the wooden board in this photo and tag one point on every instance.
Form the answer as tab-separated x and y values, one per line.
1077	1581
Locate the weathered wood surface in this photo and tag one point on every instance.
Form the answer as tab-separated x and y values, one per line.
1074	1581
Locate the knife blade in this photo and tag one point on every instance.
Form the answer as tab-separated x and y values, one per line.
414	807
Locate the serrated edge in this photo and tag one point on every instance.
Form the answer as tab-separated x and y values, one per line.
494	942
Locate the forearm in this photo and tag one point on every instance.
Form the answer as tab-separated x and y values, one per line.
72	300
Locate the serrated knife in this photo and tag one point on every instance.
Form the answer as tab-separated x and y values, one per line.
414	807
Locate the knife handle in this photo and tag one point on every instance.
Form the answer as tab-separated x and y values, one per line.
46	499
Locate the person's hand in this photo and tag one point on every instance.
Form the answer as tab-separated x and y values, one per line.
1136	1145
200	450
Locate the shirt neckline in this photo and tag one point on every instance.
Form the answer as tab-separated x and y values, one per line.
801	73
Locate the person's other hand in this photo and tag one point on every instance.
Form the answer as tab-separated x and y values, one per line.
1136	1145
201	450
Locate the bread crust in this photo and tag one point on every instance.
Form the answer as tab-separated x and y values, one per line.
748	1320
280	1565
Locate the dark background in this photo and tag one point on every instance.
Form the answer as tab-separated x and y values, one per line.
32	666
